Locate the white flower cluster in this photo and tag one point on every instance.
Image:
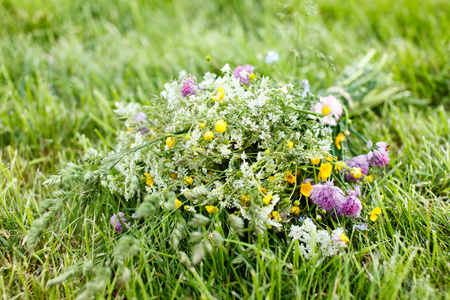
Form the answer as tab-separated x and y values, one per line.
311	239
234	140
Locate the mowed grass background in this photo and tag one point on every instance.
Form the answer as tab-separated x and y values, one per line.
64	63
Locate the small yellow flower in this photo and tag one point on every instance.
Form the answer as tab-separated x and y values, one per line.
344	238
290	144
149	180
368	179
252	77
339	165
340	138
315	160
186	208
289	177
174	175
326	110
373	214
356	172
202	125
209	135
220	94
262	190
221	126
271	178
267	199
245	198
276	215
211	209
189	180
177	203
306	188
325	171
129	128
187	137
170	142
295	210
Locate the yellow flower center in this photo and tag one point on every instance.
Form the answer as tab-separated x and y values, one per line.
326	110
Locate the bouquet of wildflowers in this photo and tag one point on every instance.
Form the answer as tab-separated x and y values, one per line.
239	148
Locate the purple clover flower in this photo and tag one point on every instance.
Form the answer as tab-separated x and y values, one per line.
141	117
379	157
357	162
188	86
116	223
242	73
351	207
327	196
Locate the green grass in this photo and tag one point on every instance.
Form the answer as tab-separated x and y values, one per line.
63	64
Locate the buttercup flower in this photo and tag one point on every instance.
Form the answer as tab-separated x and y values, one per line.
306	188
211	209
357	162
170	142
339	139
290	144
221	126
267	198
242	73
315	160
325	171
380	156
209	135
339	165
351	206
272	57
374	214
219	95
331	108
189	180
188	86
116	223
356	172
177	203
295	210
149	179
289	177
327	196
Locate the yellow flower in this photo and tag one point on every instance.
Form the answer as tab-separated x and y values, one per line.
262	190
174	175
373	214
220	89
187	137
339	165
267	199
326	110
149	180
340	138
344	238
186	208
275	215
289	177
325	171
221	126
177	203
170	142
356	172
315	160
252	77
295	210
220	95
306	188
368	179
245	198
271	178
189	180
202	125
209	135
290	144
211	209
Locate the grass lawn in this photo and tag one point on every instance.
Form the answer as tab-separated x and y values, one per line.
63	65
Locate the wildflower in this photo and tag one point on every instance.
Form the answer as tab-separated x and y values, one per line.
295	210
306	188
331	108
338	235
267	199
221	126
177	203
242	72
189	180
368	179
315	160
290	144
379	157
339	165
245	198
357	162
272	57
289	177
276	216
374	214
327	196
306	87
211	209
174	175
356	172
361	226
271	178
202	125
140	117
209	135
116	223
149	180
188	86
220	94
351	206
252	77
339	138
262	190
325	171
170	142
